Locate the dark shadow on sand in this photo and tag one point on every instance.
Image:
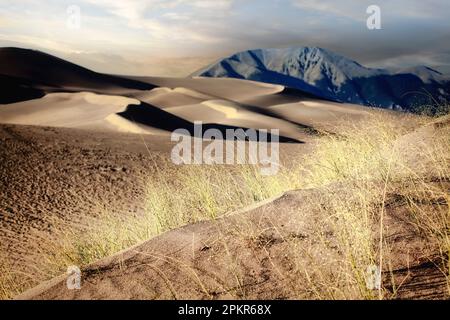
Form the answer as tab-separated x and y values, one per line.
148	115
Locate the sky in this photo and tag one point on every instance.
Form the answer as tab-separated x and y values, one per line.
178	37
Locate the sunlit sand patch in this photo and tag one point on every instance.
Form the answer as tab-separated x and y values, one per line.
347	108
192	93
229	109
99	99
123	125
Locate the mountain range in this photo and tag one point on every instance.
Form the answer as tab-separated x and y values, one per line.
331	76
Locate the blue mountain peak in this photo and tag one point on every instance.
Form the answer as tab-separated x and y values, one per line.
332	76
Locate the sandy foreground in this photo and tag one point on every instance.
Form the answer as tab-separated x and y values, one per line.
65	153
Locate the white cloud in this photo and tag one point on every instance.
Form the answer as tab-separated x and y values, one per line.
210	4
170	25
357	9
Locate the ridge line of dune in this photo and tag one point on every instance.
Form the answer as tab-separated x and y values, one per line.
42	287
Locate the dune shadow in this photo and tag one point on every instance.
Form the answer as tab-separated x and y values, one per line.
149	115
17	90
264	111
242	133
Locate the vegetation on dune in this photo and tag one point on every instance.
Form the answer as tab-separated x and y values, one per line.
371	158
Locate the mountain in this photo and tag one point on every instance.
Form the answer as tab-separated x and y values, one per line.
26	74
331	76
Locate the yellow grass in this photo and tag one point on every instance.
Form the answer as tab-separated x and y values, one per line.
369	158
372	159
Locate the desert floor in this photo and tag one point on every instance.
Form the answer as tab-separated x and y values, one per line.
71	160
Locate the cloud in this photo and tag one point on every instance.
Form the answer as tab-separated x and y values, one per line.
440	61
437	9
181	34
155	66
346	8
170	20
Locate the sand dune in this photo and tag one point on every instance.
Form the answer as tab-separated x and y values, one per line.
94	112
164	109
233	114
49	71
230	89
319	114
153	105
31	74
202	261
166	97
71	110
117	113
250	104
228	102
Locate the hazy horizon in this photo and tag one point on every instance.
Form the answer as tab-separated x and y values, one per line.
177	37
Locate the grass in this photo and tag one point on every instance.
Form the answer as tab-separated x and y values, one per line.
371	159
377	159
361	157
194	194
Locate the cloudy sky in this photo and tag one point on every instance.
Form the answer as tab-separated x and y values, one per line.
177	37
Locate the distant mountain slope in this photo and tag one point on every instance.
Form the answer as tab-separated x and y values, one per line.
27	73
331	76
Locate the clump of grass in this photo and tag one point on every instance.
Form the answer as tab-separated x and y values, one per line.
435	107
369	160
363	151
197	193
360	158
11	282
